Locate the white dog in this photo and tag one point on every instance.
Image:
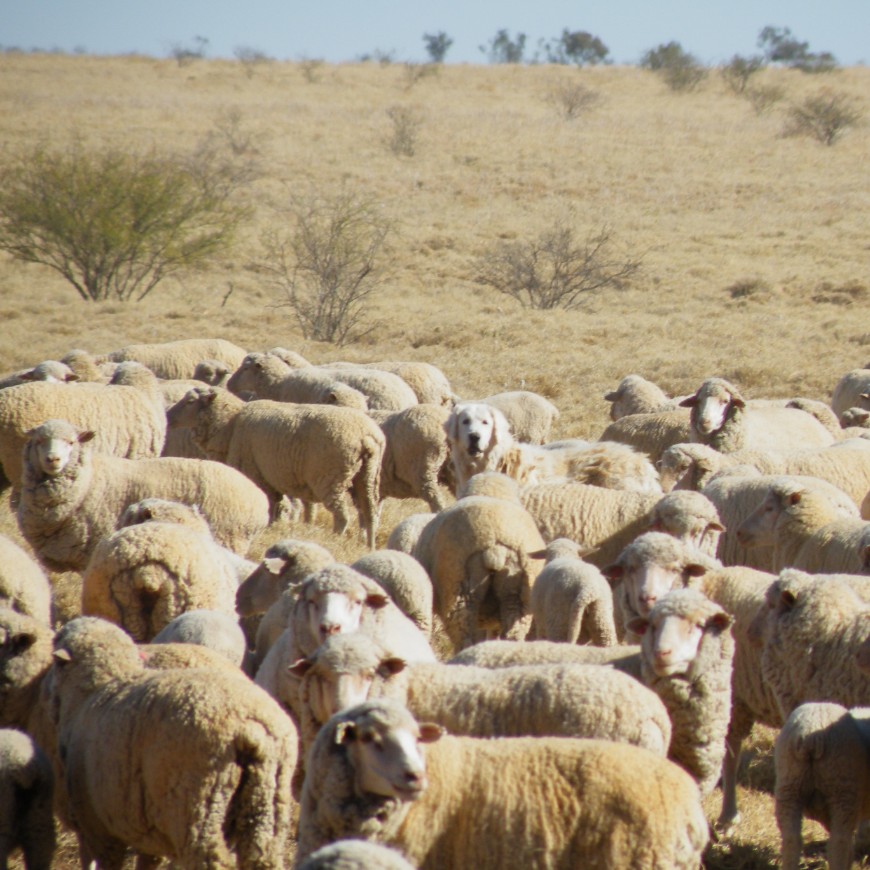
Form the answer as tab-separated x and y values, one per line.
480	440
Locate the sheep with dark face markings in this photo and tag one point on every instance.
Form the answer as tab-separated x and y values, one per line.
368	777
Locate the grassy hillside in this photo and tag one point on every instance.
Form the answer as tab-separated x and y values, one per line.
754	246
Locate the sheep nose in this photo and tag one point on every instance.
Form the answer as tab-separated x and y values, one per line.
328	629
663	654
648	601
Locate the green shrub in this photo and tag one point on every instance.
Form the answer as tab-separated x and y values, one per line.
680	70
737	72
111	223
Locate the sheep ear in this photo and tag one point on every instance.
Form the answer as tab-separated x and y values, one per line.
719	621
147	514
689	402
28	375
87	435
377	600
638	625
274	564
612	396
345	732
332	398
300	667
614	573
537	554
430	732
391	666
655	526
21	642
715	527
787	599
695	570
62	656
867	557
72	376
794	498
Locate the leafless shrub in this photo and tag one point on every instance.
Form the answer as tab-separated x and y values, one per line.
310	68
329	263
185	54
251	58
764	97
824	116
737	72
572	99
747	287
556	269
413	73
405	131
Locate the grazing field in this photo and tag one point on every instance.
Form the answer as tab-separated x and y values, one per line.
755	255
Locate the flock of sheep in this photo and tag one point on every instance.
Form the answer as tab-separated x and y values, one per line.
551	668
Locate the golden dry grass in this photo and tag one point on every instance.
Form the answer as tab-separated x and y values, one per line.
755	249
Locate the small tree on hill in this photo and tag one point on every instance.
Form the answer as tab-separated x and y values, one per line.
577	47
503	49
680	70
780	46
437	45
114	224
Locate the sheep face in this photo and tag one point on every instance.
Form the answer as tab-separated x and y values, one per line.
184	414
759	528
386	755
51	446
674	467
248	376
330	610
672	635
711	412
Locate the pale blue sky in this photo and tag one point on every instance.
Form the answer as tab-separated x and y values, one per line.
344	30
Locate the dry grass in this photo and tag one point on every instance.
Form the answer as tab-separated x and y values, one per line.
755	251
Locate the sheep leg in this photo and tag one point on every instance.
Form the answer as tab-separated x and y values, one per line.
788	819
336	504
841	842
514	617
601	627
738	730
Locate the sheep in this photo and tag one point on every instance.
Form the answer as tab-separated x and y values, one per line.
601	520
405	580
267	377
73	496
206	628
809	629
651	434
383	390
845	465
178	359
434	809
332	600
212	372
316	453
636	395
554	700
142	577
26	791
822	412
530	416
49	370
477	553
209	756
852	390
691	518
806	531
86	368
856	418
179	442
23	584
415	455
285	563
822	759
653	565
406	532
493	484
130	422
354	855
571	600
687	654
428	382
721	419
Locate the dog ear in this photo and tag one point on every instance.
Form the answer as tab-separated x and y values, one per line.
501	429
451	424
